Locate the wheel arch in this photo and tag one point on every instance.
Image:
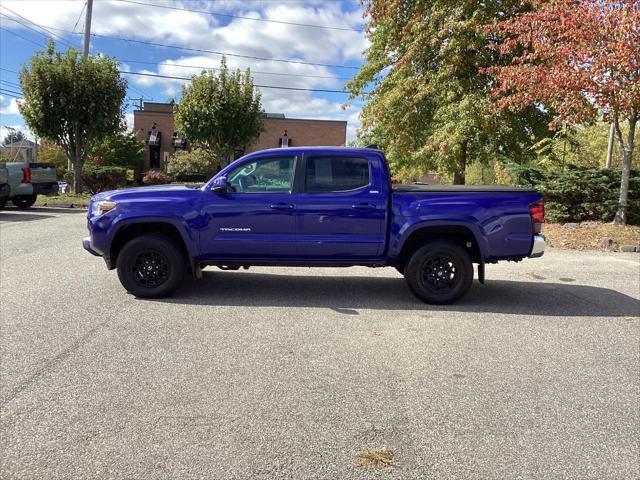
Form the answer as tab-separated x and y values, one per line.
127	230
459	233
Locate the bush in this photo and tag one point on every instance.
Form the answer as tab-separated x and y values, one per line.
98	179
120	150
197	165
580	194
156	177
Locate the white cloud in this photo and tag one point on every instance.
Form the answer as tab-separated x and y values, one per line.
5	129
240	36
128	118
198	30
9	109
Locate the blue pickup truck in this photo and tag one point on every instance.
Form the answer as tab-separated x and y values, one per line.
313	206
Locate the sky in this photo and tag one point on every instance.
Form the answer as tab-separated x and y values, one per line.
288	30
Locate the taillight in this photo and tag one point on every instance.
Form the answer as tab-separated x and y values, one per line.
536	210
26	175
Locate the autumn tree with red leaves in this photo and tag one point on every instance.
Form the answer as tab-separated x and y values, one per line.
580	59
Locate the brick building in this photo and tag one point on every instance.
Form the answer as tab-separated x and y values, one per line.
155	125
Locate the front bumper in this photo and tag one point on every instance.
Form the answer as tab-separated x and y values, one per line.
86	244
537	250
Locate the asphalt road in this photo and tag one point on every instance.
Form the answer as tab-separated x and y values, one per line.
290	373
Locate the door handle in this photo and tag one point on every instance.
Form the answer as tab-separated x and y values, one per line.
363	206
281	206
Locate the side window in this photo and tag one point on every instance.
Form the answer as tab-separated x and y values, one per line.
336	174
266	175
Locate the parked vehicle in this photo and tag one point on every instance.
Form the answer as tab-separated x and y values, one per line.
4	185
28	180
313	207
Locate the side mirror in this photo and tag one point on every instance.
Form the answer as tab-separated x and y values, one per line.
220	186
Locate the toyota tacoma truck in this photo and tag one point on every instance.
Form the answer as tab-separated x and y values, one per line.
313	206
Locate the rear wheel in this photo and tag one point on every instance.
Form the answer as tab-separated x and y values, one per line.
151	266
440	272
24	201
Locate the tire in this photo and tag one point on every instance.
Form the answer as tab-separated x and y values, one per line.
3	202
24	201
164	260
439	273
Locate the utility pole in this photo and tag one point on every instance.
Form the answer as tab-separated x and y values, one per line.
87	29
610	147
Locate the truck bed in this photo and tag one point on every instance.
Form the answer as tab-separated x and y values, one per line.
423	187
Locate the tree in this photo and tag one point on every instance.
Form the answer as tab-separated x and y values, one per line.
49	152
72	101
122	149
429	101
220	112
579	59
195	164
13	136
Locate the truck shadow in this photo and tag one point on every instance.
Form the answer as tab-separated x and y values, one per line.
13	214
347	294
20	216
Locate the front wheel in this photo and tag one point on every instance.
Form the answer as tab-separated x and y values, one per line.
151	266
440	272
24	201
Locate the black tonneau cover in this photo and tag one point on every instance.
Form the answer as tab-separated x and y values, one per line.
421	187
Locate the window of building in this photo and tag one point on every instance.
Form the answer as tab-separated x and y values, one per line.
336	174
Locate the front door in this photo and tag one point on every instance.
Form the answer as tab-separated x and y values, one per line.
256	218
340	215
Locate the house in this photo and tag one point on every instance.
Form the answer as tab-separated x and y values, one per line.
21	151
155	125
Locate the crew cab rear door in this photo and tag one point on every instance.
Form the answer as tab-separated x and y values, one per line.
341	210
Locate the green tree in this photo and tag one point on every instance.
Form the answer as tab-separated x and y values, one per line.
122	149
49	152
195	164
72	101
13	136
430	100
220	112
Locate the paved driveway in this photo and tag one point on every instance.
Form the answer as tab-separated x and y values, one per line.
289	373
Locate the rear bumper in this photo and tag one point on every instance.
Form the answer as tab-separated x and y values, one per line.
537	250
45	188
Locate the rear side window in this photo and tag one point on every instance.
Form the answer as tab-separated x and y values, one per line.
336	174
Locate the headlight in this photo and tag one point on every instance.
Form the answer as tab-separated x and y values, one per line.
101	207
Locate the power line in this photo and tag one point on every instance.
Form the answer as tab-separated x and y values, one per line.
19	36
79	16
215	52
7	70
255	85
252	71
228	15
39	26
9	92
13	84
200	50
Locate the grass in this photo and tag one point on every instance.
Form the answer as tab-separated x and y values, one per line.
375	458
591	235
64	199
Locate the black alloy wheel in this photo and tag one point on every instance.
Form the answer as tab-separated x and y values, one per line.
439	272
151	266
